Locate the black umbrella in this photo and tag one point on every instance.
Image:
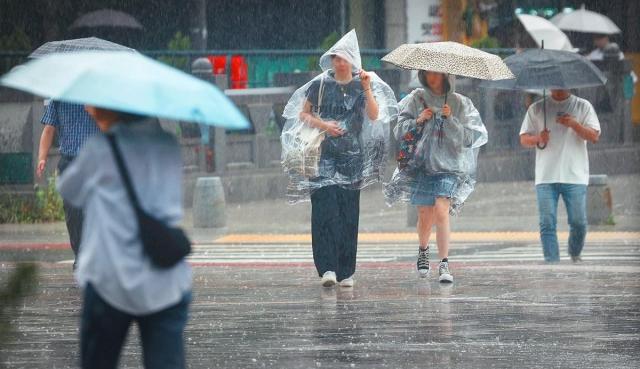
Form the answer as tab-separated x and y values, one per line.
107	18
549	69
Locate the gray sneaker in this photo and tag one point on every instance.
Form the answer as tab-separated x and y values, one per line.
423	262
445	274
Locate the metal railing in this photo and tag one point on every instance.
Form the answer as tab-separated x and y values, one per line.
262	64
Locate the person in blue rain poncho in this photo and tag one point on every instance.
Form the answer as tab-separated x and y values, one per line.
334	143
439	134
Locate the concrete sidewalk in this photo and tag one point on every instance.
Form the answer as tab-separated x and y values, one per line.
493	207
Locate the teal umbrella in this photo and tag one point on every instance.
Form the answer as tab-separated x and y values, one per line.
128	82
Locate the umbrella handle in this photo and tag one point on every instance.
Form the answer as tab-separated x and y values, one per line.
544	111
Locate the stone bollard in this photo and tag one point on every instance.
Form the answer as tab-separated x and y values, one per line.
599	200
412	215
209	209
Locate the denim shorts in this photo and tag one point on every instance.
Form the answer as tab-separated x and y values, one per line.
430	187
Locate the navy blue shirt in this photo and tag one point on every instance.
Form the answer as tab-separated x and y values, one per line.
73	124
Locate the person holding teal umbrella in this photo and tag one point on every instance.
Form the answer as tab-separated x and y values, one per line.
133	165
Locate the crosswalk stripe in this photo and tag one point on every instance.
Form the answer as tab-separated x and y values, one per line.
411	237
462	252
253	253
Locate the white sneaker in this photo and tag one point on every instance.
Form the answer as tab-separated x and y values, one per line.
347	282
445	274
329	279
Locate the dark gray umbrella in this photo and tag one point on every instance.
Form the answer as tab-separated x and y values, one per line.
549	69
78	44
107	18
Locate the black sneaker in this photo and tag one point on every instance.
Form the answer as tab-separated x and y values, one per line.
423	262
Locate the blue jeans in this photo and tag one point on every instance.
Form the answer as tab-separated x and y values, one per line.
103	331
429	187
575	200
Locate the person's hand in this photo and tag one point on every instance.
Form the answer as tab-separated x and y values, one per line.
446	111
365	80
567	120
333	129
42	164
544	137
426	115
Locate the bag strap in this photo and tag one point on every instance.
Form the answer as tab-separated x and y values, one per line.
424	104
320	95
123	172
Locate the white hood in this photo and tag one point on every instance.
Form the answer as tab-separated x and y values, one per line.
347	48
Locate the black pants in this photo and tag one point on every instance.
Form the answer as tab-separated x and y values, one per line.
335	213
72	215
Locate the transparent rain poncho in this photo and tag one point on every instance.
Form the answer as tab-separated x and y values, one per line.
313	159
444	146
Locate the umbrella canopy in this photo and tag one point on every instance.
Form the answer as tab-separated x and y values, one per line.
585	21
543	31
449	57
78	44
107	18
549	69
128	82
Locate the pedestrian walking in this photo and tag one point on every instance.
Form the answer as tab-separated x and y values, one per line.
440	133
74	127
128	180
334	144
559	127
120	283
562	168
443	125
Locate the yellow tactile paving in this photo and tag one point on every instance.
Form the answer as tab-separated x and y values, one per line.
412	237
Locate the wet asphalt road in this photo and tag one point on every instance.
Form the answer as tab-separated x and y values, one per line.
499	313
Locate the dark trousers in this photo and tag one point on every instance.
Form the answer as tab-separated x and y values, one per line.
72	215
103	331
335	213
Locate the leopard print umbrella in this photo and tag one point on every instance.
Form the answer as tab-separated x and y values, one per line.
450	57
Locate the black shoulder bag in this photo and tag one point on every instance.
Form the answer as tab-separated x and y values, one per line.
164	245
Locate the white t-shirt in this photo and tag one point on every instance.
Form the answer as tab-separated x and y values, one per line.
565	159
